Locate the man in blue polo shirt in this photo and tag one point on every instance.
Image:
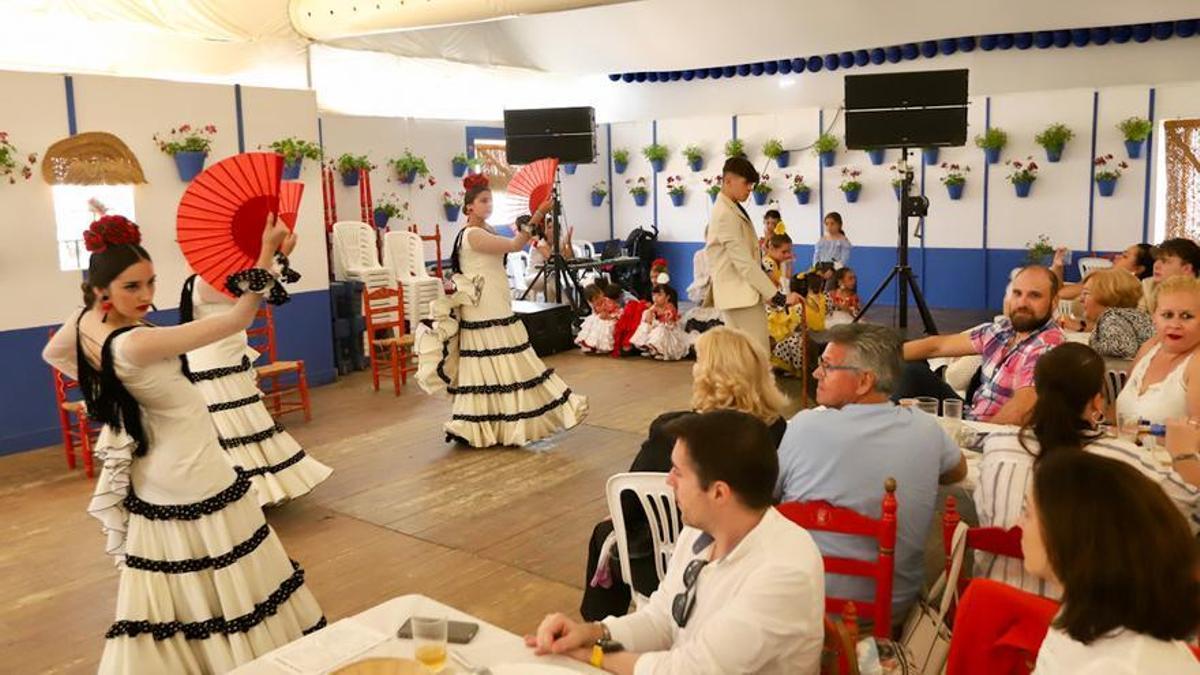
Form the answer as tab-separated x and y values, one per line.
842	454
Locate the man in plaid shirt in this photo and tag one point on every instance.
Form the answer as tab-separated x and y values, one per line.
1010	347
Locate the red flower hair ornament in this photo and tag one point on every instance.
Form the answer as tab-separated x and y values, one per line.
111	231
475	180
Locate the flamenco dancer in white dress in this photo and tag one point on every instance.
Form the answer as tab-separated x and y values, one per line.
223	371
205	584
478	351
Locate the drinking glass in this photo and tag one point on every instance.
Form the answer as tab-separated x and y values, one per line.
429	634
927	404
952	408
1127	426
907	402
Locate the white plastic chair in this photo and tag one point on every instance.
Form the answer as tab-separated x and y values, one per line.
1089	265
1114	382
658	501
404	256
356	257
584	249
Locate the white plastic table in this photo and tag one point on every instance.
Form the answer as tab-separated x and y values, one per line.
373	633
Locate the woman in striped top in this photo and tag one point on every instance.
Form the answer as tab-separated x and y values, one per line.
1069	381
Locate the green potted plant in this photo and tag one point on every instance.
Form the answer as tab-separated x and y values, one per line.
9	162
637	188
799	188
735	147
992	141
1040	251
1054	138
712	186
188	146
955	179
348	165
876	155
388	206
408	166
695	157
762	189
460	163
773	149
1022	175
1108	171
1136	130
599	191
657	154
295	151
851	186
676	189
826	148
620	158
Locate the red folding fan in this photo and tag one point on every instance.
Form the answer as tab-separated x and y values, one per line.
290	192
222	213
535	181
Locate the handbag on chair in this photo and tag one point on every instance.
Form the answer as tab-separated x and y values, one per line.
926	636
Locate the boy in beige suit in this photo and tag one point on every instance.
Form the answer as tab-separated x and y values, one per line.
740	287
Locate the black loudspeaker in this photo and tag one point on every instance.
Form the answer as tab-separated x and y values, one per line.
906	110
567	134
549	325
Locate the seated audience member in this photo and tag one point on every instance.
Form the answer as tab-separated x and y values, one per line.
1164	382
777	256
771	220
731	373
1010	347
1066	418
843	455
539	253
1172	258
1126	562
788	339
743	590
1118	328
834	246
844	296
1137	260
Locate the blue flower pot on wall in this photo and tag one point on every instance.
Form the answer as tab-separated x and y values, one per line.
877	156
827	158
1023	189
992	155
896	189
712	197
784	159
1053	154
381	218
291	170
760	198
350	178
570	168
955	190
451	211
597	198
620	167
696	164
802	196
189	164
640	198
852	195
657	165
408	177
1134	148
1106	186
930	155
677	200
458	168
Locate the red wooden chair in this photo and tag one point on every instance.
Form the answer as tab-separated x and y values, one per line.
391	347
78	431
825	517
995	540
998	629
436	238
839	653
284	384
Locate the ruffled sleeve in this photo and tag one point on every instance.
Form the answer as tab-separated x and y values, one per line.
114	452
436	340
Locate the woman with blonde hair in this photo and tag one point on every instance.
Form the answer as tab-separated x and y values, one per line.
1164	382
732	372
1110	313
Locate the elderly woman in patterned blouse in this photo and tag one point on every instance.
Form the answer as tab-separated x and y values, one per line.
1110	299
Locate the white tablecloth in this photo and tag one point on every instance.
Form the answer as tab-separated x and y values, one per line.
373	633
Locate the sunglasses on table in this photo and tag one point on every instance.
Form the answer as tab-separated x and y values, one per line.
681	607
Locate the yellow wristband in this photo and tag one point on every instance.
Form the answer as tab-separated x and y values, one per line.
597	659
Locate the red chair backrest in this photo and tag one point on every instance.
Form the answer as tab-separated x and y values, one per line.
995	540
261	334
380	302
998	629
436	238
825	517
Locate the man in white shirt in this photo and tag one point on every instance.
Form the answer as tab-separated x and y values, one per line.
744	591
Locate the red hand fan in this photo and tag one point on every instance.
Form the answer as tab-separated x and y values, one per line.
290	192
535	181
222	213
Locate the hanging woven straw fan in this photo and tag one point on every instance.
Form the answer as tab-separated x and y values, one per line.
290	192
221	216
535	181
91	158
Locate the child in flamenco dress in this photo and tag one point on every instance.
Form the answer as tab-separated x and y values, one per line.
596	333
660	335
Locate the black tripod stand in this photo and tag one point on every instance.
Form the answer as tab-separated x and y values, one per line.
557	270
909	207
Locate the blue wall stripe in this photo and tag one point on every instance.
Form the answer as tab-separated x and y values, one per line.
321	137
924	234
734	126
486	133
612	225
72	125
1149	171
1092	171
987	123
241	127
820	179
653	174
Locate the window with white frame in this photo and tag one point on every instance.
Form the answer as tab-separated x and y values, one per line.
75	207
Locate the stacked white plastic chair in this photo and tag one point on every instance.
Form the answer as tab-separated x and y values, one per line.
356	256
404	255
665	521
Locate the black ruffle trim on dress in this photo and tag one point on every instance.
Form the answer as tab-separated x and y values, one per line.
498	351
204	562
321	623
259	437
219	625
490	323
214	373
193	511
275	468
516	417
502	388
236	403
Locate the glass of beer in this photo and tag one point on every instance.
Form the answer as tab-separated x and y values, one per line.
429	636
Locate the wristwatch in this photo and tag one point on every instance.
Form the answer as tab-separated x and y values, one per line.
605	645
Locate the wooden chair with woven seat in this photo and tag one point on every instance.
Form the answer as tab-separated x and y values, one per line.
284	384
78	430
391	346
839	653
